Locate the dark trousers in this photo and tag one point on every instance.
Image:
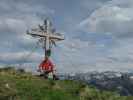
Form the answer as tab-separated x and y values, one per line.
45	75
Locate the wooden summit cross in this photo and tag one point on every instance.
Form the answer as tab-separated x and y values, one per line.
46	35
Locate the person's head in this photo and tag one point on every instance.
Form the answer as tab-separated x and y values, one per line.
46	57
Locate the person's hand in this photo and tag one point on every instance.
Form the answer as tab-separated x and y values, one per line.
39	70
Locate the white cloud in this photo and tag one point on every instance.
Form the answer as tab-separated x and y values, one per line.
15	19
20	57
113	17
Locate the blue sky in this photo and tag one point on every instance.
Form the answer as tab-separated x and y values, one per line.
99	33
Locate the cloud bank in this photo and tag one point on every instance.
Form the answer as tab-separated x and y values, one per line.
101	41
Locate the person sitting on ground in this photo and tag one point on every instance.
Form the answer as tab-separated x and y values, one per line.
47	67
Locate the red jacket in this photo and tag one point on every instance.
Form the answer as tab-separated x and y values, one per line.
46	65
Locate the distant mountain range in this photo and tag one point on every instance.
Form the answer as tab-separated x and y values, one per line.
121	82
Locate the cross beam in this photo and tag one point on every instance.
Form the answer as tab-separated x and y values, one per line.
51	36
46	32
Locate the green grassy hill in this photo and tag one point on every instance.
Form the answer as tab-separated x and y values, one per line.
18	85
